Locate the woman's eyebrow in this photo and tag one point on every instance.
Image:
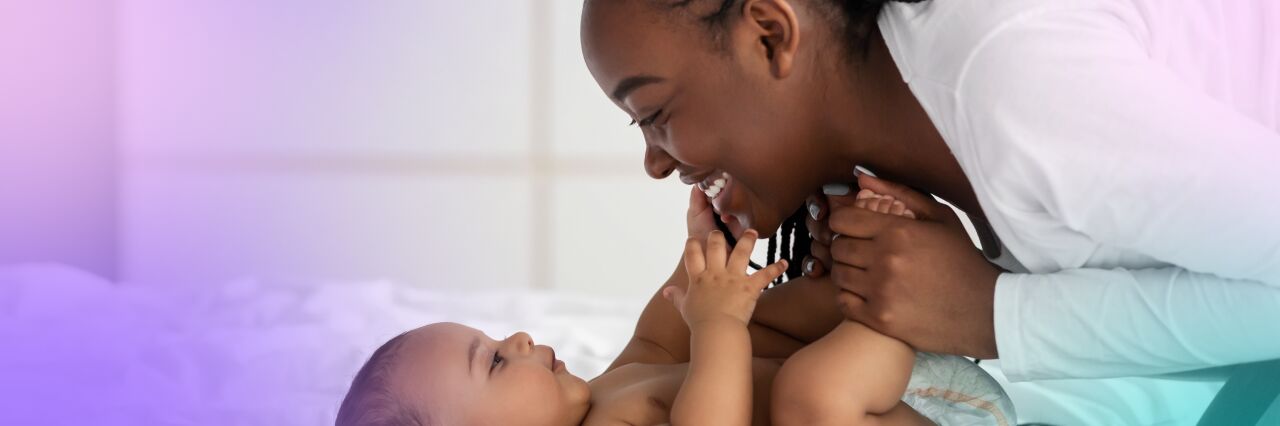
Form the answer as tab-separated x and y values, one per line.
630	84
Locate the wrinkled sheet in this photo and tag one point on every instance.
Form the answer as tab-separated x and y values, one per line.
77	348
80	350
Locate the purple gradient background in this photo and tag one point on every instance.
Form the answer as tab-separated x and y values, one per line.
171	147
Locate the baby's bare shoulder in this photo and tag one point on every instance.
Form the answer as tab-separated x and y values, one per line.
635	394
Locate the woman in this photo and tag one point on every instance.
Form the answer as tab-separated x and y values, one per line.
1121	151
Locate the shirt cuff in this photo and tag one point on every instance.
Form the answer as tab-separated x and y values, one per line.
1009	344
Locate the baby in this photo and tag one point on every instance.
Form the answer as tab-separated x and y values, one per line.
449	374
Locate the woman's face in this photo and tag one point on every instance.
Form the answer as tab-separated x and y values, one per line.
713	109
465	377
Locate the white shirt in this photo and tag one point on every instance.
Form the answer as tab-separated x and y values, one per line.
1127	153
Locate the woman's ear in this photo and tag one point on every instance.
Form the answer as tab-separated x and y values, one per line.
777	30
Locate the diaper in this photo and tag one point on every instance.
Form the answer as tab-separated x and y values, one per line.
952	390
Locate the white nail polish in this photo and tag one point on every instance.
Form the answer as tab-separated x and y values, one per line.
836	189
814	210
859	170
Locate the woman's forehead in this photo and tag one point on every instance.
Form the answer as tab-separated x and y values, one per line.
624	40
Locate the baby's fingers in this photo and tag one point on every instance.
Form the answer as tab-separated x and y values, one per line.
741	256
676	296
763	277
694	262
716	251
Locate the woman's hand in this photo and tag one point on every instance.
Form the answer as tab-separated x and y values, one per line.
920	280
876	194
719	288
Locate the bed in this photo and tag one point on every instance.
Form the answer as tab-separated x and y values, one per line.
258	352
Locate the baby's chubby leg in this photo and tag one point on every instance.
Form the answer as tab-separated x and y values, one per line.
853	375
850	376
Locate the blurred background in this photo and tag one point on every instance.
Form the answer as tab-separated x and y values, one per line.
440	144
215	210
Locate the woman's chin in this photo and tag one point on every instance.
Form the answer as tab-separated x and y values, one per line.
735	225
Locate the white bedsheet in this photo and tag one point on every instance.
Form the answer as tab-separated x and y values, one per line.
80	350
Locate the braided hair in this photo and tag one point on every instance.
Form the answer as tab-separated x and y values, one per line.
795	240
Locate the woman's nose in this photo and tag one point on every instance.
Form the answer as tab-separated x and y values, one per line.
657	163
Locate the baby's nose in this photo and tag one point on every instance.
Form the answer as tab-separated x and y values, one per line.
522	341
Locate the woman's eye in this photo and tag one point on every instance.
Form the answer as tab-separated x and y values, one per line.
647	121
497	359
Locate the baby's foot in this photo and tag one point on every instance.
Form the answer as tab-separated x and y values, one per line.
886	204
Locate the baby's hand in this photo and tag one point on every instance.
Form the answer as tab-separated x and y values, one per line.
886	204
719	288
701	218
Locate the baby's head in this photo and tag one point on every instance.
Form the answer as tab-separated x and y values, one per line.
450	374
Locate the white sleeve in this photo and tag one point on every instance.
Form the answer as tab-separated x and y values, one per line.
1069	117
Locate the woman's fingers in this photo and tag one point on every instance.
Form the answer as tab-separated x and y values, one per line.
813	267
694	261
741	256
816	221
851	279
853	252
860	223
820	254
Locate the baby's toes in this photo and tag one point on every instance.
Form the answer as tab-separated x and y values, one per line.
885	204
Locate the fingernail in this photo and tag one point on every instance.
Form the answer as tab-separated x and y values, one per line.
808	265
859	171
836	189
814	210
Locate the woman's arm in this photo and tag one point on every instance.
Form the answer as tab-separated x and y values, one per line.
1070	118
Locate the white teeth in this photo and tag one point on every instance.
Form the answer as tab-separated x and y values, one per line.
716	186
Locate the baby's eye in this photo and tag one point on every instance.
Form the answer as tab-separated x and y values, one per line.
497	359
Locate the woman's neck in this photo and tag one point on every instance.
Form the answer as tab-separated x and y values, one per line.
879	124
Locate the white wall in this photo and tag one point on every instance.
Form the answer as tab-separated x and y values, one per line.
57	152
447	144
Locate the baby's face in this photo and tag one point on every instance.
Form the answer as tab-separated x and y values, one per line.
461	376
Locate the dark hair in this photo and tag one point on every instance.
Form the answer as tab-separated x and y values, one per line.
370	401
795	244
857	21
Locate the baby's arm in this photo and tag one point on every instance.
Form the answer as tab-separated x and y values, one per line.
717	306
853	375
